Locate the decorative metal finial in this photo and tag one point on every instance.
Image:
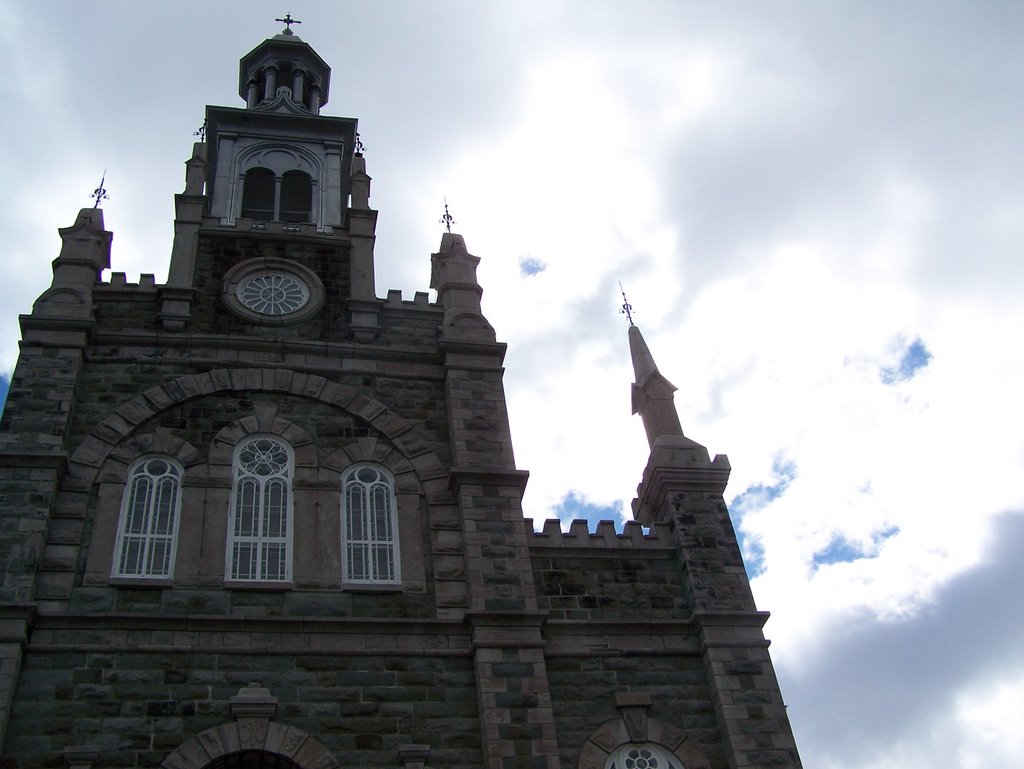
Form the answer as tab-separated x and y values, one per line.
627	308
447	220
100	193
201	133
360	148
288	21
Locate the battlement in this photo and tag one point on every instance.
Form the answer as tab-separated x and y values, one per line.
606	536
146	282
419	299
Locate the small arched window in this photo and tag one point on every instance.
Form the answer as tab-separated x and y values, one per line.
258	194
642	756
260	521
296	197
147	532
369	526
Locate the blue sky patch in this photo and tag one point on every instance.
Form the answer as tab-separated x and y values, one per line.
915	358
574	505
842	550
759	495
5	384
529	266
754	498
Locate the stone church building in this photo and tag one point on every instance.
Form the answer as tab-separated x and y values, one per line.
258	517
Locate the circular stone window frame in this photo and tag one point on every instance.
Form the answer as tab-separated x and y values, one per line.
241	272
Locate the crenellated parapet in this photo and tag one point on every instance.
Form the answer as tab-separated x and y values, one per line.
420	299
119	280
606	536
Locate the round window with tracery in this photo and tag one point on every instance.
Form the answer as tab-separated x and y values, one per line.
645	756
272	293
263	456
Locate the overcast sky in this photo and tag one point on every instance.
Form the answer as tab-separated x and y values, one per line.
816	209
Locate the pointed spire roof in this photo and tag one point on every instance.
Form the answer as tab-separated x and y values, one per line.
644	368
651	392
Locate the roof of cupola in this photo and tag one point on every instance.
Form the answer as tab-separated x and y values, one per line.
284	48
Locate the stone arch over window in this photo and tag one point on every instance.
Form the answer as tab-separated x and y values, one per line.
421	478
408	456
636	741
261	513
252	740
370	550
113	474
147	531
409	488
278	182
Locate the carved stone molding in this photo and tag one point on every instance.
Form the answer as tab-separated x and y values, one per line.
636	727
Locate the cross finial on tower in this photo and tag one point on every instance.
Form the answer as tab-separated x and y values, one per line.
288	21
627	308
358	145
201	133
100	193
447	220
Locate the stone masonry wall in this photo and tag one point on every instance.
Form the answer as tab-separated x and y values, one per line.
140	691
605	575
583	688
219	252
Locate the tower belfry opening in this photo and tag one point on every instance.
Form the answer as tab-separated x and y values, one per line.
258	517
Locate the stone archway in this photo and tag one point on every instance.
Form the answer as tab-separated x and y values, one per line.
252	740
87	460
634	727
252	759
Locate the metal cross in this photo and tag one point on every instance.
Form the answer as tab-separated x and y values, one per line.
99	193
201	133
359	147
447	220
627	308
288	21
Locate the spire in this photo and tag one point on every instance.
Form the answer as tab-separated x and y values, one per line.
652	392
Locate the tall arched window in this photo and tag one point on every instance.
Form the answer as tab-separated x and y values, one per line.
260	523
148	528
296	197
258	194
369	526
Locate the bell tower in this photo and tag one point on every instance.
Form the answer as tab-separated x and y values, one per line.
277	160
277	169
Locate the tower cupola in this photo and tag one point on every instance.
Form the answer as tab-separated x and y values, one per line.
284	74
279	164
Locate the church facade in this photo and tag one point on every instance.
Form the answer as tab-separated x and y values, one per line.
257	516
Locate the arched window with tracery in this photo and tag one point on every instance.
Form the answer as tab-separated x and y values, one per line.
148	528
369	526
644	755
260	521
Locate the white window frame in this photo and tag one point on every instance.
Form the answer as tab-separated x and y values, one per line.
254	485
146	495
363	542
